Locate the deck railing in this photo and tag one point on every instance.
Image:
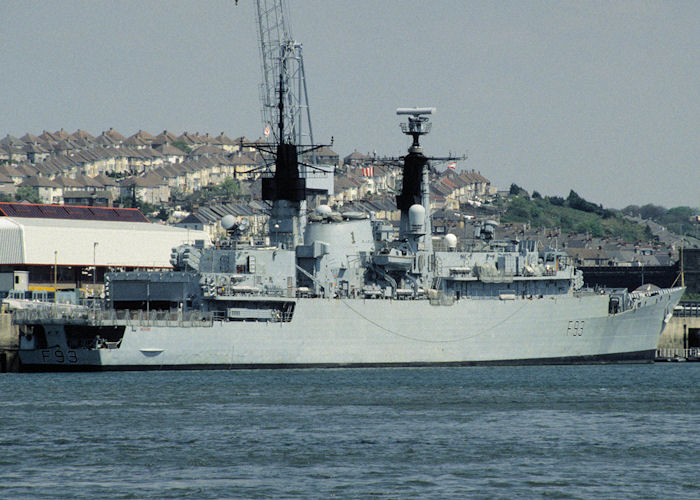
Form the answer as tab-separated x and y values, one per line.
111	317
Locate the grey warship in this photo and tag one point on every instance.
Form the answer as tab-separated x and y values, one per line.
337	290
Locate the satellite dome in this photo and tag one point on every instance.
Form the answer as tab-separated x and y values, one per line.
648	287
323	210
416	218
450	241
228	221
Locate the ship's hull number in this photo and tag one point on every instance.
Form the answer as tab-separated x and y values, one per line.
575	328
58	356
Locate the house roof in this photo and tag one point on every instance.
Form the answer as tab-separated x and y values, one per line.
325	151
208	149
11	140
164	137
357	156
114	135
30	138
169	149
67	182
142	134
147	181
587	253
84	180
81	134
40	182
84	194
105	180
222	139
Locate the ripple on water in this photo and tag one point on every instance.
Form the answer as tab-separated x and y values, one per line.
557	432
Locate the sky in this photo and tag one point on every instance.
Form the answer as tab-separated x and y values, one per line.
602	97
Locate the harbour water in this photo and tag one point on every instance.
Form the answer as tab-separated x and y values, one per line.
479	432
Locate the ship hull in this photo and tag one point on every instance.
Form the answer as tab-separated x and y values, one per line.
364	333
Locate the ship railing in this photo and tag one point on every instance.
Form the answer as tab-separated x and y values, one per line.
113	317
678	354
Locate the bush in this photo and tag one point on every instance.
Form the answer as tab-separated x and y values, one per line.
651	211
631	210
27	193
516	190
556	200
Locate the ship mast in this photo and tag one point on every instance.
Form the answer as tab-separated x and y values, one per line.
287	118
281	58
416	182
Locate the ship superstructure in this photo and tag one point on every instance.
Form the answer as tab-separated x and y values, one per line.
337	289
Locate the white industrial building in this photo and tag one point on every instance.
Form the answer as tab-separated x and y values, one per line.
68	250
85	242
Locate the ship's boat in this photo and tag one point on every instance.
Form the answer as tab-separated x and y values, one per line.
336	290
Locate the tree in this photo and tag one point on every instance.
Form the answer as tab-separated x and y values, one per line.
536	195
631	210
230	188
651	211
163	213
125	201
516	190
182	145
556	200
576	202
28	193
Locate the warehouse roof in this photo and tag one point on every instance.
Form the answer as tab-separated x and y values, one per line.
71	212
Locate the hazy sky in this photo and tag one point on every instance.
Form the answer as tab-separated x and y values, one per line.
599	97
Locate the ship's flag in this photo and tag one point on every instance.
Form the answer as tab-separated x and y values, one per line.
452	165
368	171
267	131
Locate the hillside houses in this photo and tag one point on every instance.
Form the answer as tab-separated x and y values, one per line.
58	162
209	218
448	189
99	169
324	156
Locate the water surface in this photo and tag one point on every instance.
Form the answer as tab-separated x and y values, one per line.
480	432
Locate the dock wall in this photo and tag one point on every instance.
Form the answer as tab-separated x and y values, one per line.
9	344
681	337
681	333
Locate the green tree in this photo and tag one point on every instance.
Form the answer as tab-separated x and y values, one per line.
516	190
28	193
578	203
556	200
230	188
651	211
163	213
182	145
125	201
631	210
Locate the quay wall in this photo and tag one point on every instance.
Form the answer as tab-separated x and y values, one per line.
9	344
681	333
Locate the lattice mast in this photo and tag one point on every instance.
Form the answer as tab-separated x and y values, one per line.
282	63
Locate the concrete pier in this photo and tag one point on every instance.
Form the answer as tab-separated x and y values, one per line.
9	344
680	340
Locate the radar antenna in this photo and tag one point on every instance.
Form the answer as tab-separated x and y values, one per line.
417	124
